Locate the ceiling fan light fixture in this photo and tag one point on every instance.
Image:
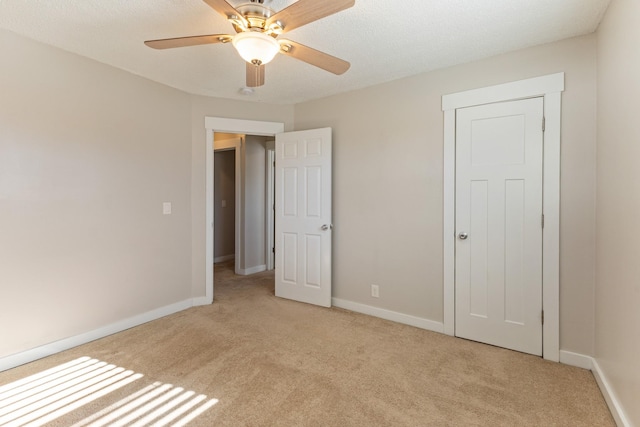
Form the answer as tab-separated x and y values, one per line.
255	47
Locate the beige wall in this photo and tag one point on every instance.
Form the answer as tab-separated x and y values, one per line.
202	107
618	207
388	168
88	154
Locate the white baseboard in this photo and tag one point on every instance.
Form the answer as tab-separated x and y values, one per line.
252	270
588	362
610	397
201	301
394	316
27	356
576	359
224	258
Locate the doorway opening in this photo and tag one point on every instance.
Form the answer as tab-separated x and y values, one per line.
233	128
226	203
243	202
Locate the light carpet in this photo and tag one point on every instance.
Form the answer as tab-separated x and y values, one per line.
251	359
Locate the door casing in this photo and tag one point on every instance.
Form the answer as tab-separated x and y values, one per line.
270	209
550	87
221	124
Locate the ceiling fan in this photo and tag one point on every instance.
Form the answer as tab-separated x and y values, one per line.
258	29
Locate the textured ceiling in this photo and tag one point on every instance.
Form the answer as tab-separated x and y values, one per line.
384	40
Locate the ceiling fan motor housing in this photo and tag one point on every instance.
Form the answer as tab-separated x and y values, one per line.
255	19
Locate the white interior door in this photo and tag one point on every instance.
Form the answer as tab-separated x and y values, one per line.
303	216
499	153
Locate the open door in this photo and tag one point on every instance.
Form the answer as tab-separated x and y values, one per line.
303	216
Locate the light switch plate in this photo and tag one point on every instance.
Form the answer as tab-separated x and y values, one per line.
166	208
224	203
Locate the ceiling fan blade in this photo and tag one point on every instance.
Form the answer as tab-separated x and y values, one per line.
188	41
303	12
314	57
226	10
255	75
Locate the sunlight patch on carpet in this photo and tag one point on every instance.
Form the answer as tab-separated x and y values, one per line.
43	397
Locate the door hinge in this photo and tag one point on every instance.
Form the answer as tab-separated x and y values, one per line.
273	250
542	222
542	317
544	123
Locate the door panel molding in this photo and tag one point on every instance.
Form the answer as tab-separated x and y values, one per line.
549	87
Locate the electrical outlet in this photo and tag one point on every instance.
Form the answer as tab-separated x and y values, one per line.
375	291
